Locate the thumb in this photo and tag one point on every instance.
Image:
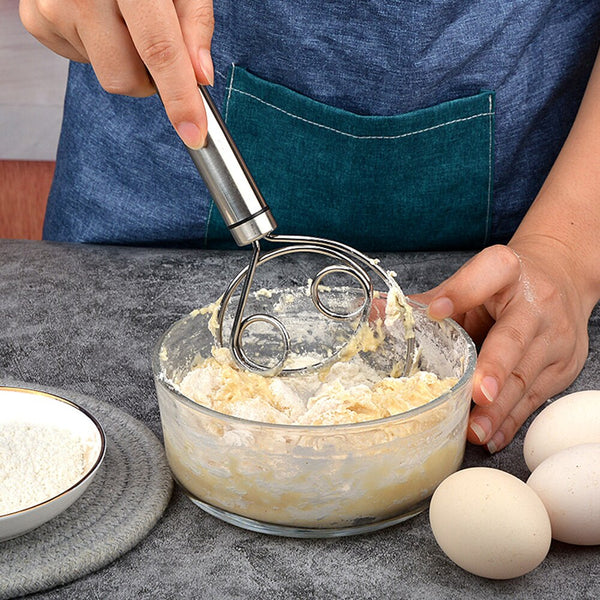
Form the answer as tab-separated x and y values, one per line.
197	25
426	297
484	276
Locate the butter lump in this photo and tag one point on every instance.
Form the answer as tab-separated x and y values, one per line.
349	392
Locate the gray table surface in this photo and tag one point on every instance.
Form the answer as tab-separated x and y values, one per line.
85	318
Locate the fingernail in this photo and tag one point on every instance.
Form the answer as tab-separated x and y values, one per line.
496	442
190	134
441	308
489	388
482	427
206	65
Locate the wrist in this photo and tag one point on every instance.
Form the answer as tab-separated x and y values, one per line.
566	261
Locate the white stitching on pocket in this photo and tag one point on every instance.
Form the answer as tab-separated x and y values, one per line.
228	97
351	135
221	75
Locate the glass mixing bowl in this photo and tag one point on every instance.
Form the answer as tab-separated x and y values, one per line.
314	481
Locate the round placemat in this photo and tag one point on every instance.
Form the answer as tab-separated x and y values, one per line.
123	503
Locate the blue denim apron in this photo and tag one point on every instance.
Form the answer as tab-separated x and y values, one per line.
390	125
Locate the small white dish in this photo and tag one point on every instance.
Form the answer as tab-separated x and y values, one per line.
23	406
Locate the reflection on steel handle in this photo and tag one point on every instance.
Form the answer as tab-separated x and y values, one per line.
229	181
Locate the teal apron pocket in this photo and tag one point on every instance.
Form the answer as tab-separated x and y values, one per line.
415	181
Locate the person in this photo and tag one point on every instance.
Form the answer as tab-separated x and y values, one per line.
431	125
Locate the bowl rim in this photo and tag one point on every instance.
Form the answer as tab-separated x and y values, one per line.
471	354
89	472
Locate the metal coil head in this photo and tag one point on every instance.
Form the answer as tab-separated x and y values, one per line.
348	263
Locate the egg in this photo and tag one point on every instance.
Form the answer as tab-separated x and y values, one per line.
490	523
568	484
571	420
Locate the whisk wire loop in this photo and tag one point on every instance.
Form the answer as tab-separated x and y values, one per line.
348	262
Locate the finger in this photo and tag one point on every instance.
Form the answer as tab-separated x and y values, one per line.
111	51
476	322
493	270
545	387
197	25
514	420
505	351
42	29
517	391
158	39
427	296
552	380
484	421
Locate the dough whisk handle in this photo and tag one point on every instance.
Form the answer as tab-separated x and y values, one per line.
229	181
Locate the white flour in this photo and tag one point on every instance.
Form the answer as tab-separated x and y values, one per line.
37	462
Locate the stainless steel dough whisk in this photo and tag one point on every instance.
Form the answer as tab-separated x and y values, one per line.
249	220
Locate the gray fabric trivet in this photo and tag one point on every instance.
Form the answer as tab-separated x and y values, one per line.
127	497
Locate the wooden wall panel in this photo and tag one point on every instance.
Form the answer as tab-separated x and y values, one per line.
24	188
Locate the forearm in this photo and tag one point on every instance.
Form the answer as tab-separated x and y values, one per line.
566	212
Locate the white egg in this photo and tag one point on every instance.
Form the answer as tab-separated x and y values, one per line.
571	420
490	523
568	484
